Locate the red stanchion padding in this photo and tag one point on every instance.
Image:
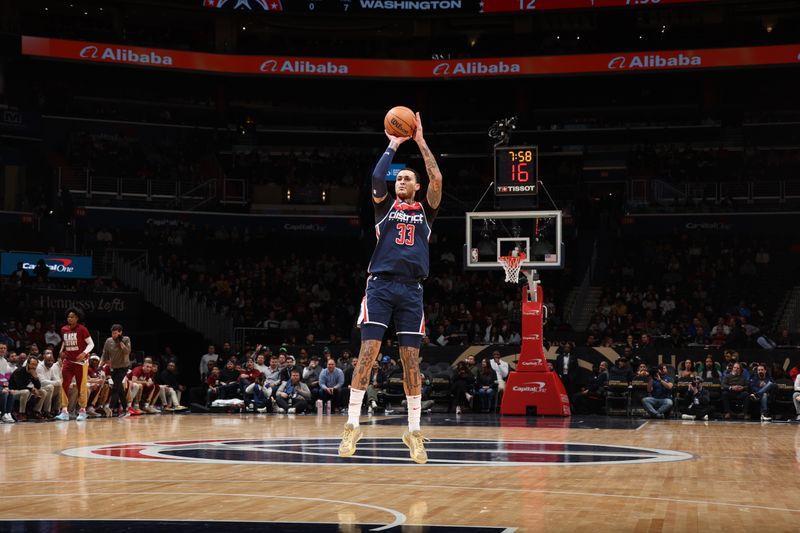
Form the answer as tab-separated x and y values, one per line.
532	388
540	393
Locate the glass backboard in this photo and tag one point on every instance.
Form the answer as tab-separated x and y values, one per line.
491	234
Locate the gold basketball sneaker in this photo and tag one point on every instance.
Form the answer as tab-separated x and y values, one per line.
350	437
416	446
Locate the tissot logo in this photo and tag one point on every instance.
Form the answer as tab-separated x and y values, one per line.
89	51
270	65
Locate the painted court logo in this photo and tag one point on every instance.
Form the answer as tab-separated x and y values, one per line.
378	452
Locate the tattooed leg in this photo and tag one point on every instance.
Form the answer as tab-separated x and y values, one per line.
370	349
411	375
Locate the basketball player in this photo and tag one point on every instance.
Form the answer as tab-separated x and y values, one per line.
398	266
75	351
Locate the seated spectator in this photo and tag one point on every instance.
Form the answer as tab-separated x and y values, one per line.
261	394
7	405
761	389
378	385
273	373
686	372
247	376
331	382
621	371
642	373
734	387
796	396
698	401
658	401
214	383
171	389
348	379
96	382
462	387
146	390
49	373
590	397
24	385
229	381
709	370
293	395
311	377
485	387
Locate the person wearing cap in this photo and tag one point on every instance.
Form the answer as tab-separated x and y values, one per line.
698	401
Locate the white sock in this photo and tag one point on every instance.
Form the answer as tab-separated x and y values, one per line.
414	411
354	410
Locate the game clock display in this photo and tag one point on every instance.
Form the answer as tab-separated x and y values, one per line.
516	170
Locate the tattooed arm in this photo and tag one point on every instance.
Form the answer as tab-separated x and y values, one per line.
434	195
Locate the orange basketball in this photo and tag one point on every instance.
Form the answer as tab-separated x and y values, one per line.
400	122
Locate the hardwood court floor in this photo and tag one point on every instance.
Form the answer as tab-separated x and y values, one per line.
619	475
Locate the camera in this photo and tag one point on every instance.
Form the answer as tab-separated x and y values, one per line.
654	372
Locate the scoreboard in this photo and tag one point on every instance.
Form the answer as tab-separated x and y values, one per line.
420	7
516	171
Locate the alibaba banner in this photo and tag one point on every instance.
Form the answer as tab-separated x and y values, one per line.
60	265
433	69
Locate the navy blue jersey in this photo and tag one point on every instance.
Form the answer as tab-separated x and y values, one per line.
403	230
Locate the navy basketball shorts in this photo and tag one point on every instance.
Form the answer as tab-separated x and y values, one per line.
386	299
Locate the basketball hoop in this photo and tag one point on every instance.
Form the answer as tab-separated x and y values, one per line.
511	265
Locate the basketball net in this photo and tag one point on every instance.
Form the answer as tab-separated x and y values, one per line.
511	265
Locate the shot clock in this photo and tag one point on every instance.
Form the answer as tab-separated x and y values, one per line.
516	171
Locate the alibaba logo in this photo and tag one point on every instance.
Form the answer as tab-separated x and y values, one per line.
89	51
63	260
442	69
616	63
270	65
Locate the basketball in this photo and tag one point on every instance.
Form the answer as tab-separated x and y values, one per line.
400	122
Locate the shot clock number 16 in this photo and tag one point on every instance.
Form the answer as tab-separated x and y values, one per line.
516	170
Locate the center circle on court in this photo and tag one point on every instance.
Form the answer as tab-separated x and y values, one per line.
380	452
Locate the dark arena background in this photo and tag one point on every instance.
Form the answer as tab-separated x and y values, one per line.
198	172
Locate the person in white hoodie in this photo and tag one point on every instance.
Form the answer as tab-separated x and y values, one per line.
50	376
796	396
6	397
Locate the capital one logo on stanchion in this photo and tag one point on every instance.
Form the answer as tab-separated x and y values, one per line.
533	387
532	337
532	362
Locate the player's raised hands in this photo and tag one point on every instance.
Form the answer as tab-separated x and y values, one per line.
395	139
418	131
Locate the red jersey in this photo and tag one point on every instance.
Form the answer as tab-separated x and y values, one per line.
74	341
250	375
140	374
